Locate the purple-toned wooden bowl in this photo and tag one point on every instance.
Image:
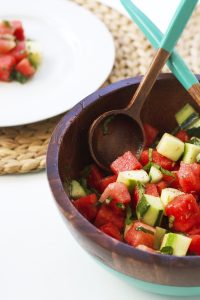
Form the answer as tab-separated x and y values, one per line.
68	153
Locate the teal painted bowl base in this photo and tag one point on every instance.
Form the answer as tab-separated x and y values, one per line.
154	288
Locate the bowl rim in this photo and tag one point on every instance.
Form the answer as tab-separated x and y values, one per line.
63	201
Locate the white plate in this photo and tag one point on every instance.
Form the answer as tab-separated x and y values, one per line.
78	55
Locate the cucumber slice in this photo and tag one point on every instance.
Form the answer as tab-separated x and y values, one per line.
155	175
182	115
159	235
195	124
34	53
150	210
176	244
190	153
76	190
130	178
170	147
168	195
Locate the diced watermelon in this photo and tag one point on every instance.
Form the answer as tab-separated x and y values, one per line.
7	63
18	30
195	245
185	210
19	52
6	45
107	215
118	192
94	176
183	136
172	181
87	206
25	68
150	134
140	234
189	177
126	162
6	27
136	197
158	159
112	231
103	183
161	185
151	189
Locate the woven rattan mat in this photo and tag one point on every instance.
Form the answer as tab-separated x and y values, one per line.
23	148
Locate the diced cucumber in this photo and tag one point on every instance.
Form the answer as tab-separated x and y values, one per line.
168	195
195	124
155	175
190	153
198	158
130	178
183	114
76	190
34	53
159	235
150	210
195	141
176	244
170	147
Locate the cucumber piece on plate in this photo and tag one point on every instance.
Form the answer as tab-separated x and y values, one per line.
149	210
130	178
155	175
34	53
176	244
168	195
76	190
159	235
195	124
170	147
190	153
184	114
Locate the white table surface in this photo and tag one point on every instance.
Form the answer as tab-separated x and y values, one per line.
39	259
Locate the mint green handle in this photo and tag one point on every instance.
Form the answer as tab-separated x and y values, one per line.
154	35
178	24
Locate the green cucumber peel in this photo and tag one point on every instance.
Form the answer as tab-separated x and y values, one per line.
195	141
143	229
167	250
194	132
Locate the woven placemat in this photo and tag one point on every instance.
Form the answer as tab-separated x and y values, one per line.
23	148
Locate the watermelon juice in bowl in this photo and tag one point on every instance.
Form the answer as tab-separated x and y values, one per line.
141	219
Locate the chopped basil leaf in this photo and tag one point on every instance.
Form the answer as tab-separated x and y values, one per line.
18	77
129	215
141	228
141	189
105	125
195	141
148	166
166	172
7	23
142	206
167	250
194	132
120	205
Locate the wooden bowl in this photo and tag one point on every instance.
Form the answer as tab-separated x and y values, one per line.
68	154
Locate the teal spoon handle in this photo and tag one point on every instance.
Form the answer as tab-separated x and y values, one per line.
177	24
176	64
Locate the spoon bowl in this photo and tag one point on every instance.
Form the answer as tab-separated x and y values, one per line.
114	133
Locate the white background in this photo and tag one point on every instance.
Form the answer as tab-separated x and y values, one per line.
39	259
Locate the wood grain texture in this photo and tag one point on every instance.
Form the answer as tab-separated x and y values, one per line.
68	153
194	91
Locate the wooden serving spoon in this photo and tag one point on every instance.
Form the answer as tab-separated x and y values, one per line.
175	62
117	131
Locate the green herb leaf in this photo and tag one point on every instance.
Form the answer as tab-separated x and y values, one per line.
195	141
120	205
194	132
166	172
18	77
141	189
106	123
7	23
148	166
167	250
129	215
141	228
